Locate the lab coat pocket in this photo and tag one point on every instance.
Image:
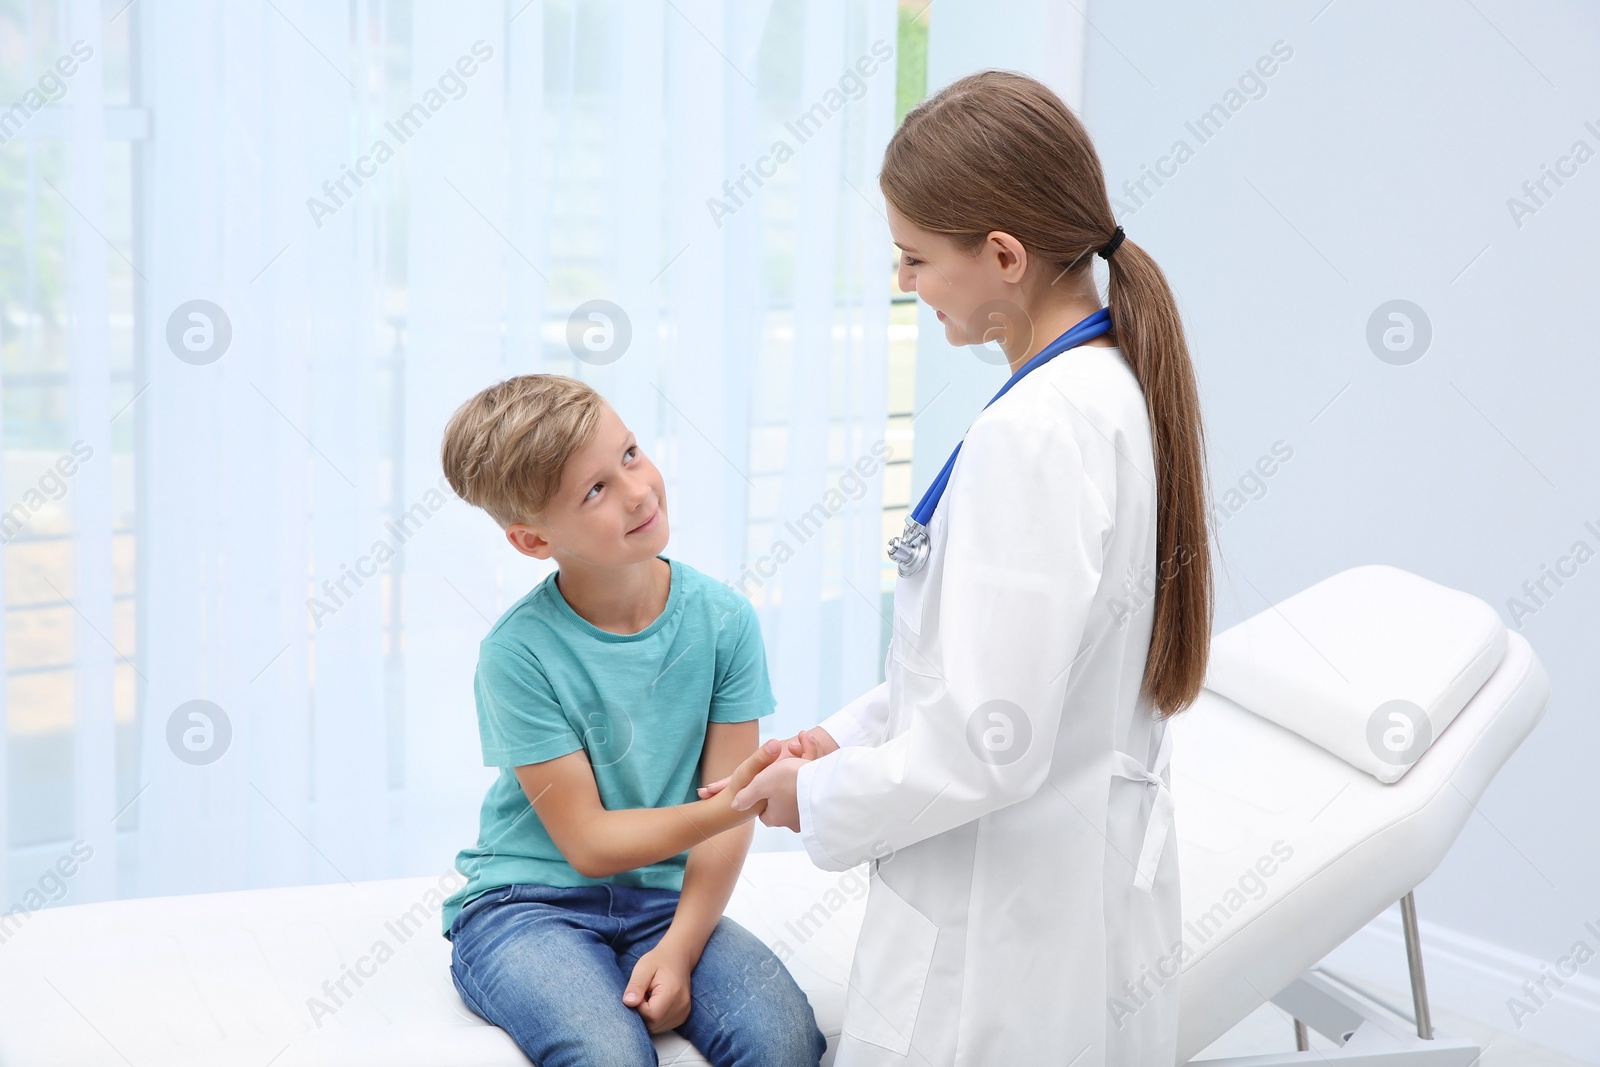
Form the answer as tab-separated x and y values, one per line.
909	651
890	970
908	603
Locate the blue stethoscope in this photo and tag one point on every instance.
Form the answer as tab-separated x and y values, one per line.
910	549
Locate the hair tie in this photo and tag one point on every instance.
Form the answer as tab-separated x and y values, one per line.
1111	245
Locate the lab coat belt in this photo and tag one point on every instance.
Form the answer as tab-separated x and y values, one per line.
1160	824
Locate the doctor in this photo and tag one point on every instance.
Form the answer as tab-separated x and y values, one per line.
1008	782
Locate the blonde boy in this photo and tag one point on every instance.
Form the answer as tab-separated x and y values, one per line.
592	913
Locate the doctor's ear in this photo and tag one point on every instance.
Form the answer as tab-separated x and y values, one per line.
1007	254
527	540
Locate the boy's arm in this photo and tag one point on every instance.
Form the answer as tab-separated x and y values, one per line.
714	864
599	843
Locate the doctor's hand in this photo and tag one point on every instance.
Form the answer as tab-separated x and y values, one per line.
807	744
774	788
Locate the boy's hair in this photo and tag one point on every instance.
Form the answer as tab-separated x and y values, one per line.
504	450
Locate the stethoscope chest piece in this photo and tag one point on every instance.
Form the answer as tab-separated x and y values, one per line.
910	549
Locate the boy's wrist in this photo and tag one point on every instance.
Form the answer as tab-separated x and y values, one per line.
679	946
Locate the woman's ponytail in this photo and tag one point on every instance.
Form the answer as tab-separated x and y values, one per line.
1150	334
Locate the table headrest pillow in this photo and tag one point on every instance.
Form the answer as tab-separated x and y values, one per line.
1370	664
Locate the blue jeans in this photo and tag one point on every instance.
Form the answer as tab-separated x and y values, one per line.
548	965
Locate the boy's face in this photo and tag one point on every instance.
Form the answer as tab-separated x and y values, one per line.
611	507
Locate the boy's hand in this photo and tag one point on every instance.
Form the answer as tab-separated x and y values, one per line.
807	744
659	988
759	760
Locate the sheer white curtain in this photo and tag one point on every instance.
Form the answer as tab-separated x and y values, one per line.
302	570
257	480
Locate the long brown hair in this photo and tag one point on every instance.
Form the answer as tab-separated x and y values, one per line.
998	150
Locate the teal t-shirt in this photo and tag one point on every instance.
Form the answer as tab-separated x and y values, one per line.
549	682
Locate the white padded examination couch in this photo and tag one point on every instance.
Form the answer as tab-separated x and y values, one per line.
237	978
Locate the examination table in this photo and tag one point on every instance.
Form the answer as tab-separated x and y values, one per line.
1285	851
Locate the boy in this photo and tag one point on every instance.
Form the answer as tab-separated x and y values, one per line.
605	695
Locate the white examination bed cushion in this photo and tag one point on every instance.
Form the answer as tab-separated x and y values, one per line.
1371	664
1285	851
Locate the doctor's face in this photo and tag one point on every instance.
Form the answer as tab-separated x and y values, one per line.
954	283
611	508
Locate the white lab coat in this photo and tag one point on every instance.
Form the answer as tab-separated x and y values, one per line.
1006	922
